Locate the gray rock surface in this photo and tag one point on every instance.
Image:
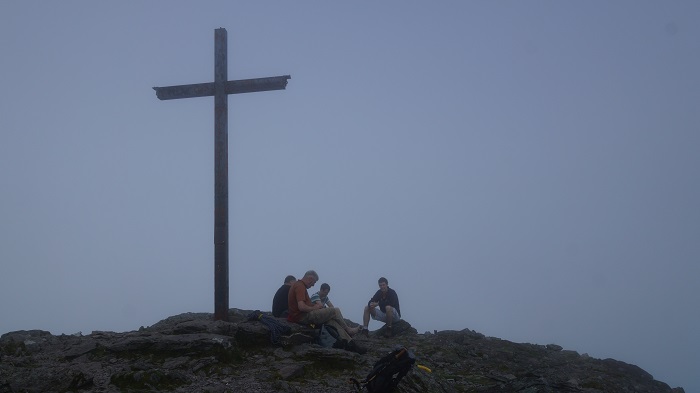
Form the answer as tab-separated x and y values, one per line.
192	353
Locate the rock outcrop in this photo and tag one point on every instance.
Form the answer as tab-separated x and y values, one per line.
192	353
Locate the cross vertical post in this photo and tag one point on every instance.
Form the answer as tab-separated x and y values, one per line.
220	89
220	176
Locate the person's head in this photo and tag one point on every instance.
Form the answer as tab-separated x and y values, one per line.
310	278
325	288
383	284
289	280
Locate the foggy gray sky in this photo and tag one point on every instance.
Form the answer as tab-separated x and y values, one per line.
528	170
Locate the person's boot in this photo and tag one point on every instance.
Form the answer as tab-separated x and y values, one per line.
340	344
364	331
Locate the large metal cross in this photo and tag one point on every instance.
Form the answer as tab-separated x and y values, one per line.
220	89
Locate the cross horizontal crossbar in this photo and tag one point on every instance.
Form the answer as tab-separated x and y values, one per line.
232	87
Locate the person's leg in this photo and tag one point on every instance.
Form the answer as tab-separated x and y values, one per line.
378	315
365	317
326	315
345	340
338	318
388	331
396	317
319	316
389	316
342	333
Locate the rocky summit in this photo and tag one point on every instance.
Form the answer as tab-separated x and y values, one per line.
193	353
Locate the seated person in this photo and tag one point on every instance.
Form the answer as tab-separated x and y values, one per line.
279	302
322	296
303	311
383	306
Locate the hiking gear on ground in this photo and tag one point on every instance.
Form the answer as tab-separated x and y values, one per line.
277	328
387	371
327	336
422	367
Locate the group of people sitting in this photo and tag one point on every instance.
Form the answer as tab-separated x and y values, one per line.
292	301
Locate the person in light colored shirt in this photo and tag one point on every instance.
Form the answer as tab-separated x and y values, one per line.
322	296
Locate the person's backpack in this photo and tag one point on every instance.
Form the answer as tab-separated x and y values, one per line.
327	336
277	329
388	371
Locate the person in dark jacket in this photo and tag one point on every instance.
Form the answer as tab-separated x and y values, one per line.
279	302
383	306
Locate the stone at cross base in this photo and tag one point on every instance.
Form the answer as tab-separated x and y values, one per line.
398	328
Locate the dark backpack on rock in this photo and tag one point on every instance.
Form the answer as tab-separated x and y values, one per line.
327	336
388	371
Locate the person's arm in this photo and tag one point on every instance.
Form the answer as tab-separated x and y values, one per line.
303	307
315	298
374	299
329	304
299	295
395	301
